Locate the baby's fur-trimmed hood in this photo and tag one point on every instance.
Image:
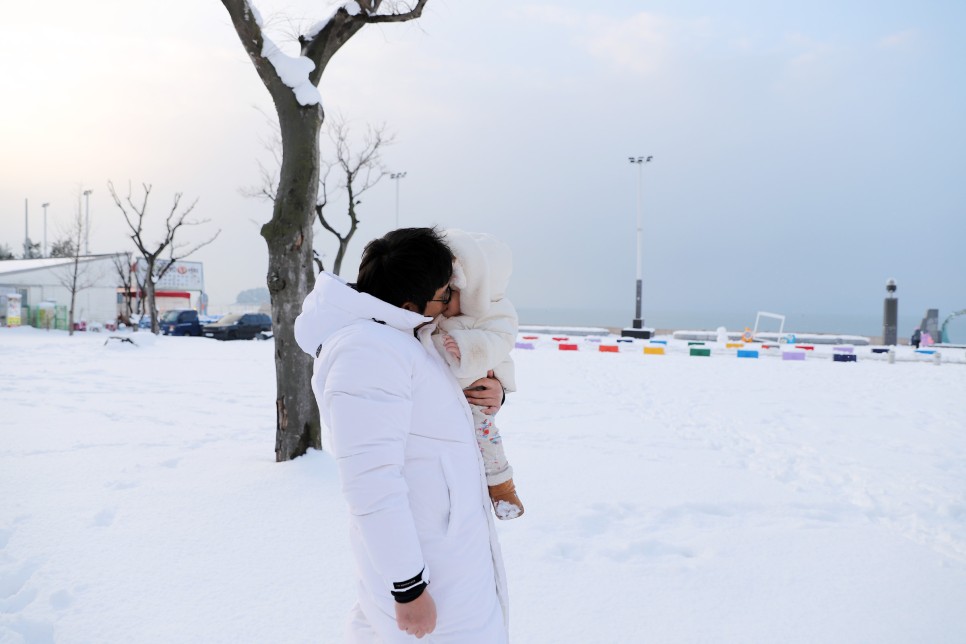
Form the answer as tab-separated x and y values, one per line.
481	271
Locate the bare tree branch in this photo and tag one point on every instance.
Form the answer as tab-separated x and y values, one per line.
342	26
75	276
267	187
173	222
243	18
373	18
361	169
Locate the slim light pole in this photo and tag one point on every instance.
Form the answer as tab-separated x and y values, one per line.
396	176
26	229
638	322
87	222
44	206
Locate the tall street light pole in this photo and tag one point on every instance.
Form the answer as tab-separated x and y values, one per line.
396	176
87	222
637	326
44	206
26	229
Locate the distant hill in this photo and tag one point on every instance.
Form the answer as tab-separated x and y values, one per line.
256	296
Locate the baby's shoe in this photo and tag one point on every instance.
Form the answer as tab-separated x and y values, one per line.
506	503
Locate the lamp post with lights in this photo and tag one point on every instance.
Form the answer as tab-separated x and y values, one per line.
87	222
637	329
44	206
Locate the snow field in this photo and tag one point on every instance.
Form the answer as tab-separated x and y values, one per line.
668	498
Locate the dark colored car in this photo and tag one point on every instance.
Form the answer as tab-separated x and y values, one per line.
180	322
240	326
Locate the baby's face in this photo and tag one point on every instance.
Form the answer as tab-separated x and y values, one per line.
453	308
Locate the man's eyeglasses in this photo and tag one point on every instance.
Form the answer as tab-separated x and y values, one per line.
446	297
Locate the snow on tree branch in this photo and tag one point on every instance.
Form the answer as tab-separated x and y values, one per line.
293	71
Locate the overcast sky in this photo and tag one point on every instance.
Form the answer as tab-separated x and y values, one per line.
803	152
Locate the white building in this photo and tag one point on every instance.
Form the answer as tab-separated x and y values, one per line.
41	283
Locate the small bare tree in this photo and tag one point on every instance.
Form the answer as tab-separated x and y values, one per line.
75	276
31	249
346	166
63	247
360	170
155	266
124	267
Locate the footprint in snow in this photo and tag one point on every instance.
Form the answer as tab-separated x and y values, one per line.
16	591
121	485
61	600
648	550
29	630
104	518
12	580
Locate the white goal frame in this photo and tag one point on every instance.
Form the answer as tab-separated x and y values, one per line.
774	316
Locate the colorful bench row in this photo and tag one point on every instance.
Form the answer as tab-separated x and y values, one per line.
658	348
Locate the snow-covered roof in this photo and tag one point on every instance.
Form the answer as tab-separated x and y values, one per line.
20	265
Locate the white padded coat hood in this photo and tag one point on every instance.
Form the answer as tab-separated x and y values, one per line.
333	304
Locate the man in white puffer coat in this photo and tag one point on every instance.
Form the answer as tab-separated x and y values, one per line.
401	432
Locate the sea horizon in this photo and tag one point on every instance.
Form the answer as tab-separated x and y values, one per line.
868	325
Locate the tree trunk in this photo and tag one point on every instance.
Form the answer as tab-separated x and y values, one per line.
149	301
337	264
291	276
73	293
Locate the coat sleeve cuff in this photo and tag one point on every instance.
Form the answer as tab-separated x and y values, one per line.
406	591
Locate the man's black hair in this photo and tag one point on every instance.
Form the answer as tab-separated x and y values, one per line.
405	265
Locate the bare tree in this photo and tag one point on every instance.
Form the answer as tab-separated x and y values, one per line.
75	276
5	252
31	249
293	83
359	167
155	266
64	247
124	267
361	170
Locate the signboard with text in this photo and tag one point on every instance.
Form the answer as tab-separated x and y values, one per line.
183	276
13	310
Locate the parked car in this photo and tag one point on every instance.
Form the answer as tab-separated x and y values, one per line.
239	326
180	322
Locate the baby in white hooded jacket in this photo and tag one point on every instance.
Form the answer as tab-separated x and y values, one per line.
476	334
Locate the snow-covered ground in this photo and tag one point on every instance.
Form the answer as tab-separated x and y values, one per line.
669	498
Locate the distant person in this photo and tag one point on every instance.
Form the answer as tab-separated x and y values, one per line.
475	336
400	431
916	338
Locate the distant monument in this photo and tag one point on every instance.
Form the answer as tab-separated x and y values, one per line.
890	317
930	323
